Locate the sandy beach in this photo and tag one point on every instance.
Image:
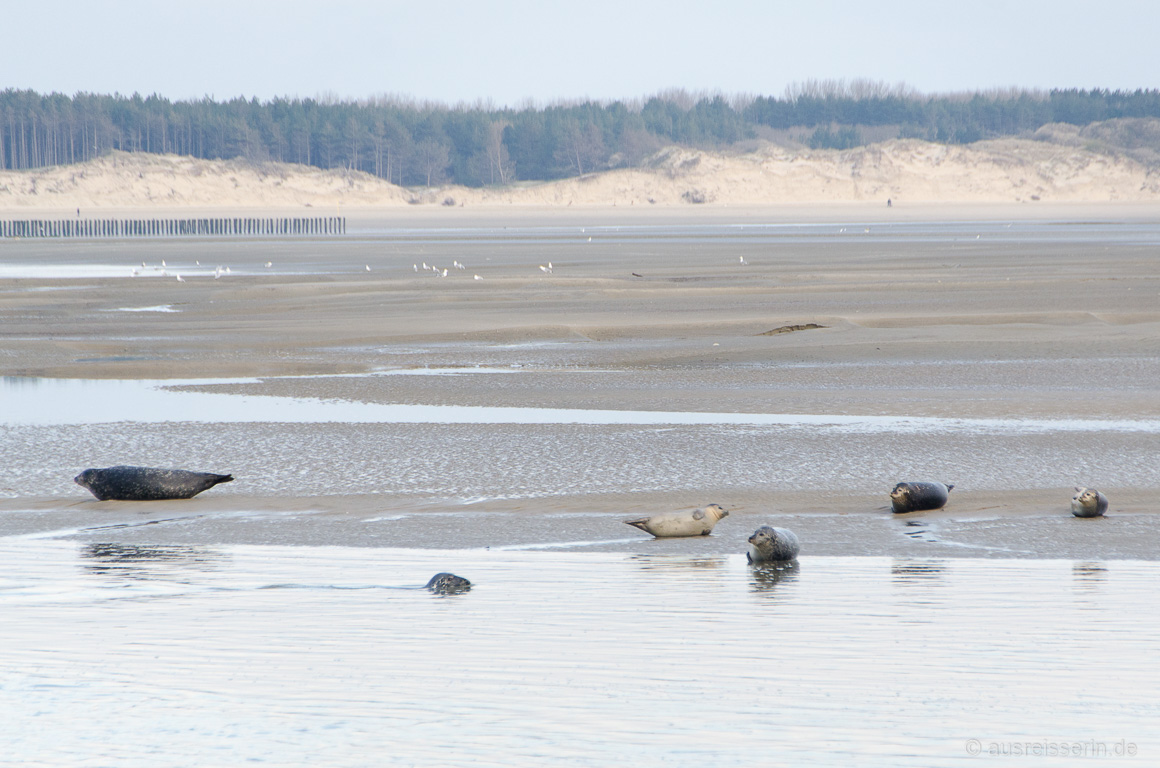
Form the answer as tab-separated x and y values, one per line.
927	313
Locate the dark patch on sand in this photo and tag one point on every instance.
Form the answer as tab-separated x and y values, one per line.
791	329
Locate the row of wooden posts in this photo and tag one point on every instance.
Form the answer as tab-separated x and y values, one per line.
321	225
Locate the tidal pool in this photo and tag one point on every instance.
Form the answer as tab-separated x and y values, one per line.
169	655
30	401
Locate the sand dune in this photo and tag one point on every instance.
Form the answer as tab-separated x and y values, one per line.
905	171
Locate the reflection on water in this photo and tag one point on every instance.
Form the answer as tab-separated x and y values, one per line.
1089	572
1089	578
561	658
906	570
678	563
766	577
920	584
137	561
157	308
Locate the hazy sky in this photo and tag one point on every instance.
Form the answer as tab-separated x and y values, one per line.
509	51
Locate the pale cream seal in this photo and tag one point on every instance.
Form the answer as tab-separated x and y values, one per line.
697	522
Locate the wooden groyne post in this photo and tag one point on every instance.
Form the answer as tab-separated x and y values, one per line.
201	227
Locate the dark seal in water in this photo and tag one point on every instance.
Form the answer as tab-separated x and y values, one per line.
448	584
147	483
915	497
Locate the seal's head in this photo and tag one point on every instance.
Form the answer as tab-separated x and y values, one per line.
900	496
85	479
763	538
714	511
448	584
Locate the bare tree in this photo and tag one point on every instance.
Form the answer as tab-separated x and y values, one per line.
580	148
434	157
499	162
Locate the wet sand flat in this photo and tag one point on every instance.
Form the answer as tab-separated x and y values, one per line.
956	334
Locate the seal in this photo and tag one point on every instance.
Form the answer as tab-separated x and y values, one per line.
915	497
1088	502
699	522
772	545
147	483
448	584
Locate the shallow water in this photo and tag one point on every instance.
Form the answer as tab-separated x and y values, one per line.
153	656
46	402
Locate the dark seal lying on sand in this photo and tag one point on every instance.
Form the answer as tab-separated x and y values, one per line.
915	497
147	483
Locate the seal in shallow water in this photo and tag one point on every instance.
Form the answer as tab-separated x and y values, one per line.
698	522
772	545
914	497
147	483
1088	502
448	584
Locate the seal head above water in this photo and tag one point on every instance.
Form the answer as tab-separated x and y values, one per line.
1088	502
448	584
147	483
915	497
698	522
772	545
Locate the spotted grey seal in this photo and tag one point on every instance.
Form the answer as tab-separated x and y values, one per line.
1088	502
448	584
147	483
698	522
771	545
914	497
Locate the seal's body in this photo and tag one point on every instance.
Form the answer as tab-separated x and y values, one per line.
772	545
915	497
698	522
448	584
1088	502
147	483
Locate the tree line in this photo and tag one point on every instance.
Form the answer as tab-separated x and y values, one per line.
413	144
